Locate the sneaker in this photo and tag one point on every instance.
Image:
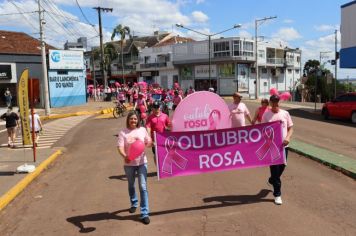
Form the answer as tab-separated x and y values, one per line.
278	200
132	209
146	220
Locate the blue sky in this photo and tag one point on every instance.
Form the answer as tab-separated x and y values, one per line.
308	25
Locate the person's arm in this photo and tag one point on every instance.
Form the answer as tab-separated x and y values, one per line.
40	123
123	154
289	135
168	124
145	104
255	117
248	116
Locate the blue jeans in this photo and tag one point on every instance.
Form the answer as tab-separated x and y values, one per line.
130	172
275	179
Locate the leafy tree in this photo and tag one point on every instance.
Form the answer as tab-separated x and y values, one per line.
123	31
110	54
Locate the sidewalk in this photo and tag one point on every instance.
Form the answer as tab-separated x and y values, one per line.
12	183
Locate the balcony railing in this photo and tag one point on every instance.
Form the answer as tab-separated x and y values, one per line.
153	65
275	61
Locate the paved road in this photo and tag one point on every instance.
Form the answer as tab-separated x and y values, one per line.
335	135
86	191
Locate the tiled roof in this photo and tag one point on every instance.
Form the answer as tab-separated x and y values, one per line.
148	41
174	40
20	43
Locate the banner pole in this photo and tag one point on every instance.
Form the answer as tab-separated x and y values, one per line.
33	123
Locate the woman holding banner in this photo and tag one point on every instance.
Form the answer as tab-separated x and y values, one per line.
131	146
277	114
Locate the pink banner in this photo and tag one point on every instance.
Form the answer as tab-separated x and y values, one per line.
195	152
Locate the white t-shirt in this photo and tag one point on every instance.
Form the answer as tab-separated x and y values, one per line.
281	115
36	119
238	119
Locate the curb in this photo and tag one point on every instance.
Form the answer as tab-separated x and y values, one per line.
20	186
81	113
338	162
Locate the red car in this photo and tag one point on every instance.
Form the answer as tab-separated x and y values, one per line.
344	106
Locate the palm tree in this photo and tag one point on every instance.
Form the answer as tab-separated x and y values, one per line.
109	55
123	31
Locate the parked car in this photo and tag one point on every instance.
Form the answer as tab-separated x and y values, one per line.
344	106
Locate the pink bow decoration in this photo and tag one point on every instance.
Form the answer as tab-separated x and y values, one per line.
268	146
172	156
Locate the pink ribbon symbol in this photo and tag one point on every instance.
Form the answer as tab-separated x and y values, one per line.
268	146
172	156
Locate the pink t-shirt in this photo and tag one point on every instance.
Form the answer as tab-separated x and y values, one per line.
177	99
281	115
157	123
238	119
128	136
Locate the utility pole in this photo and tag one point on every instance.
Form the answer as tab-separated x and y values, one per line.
336	57
102	69
44	62
257	84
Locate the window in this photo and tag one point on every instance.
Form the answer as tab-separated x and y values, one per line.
261	53
352	98
289	71
298	58
147	59
264	70
248	49
222	49
237	48
297	71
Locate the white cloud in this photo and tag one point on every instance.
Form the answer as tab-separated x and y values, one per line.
142	16
199	1
324	28
287	34
288	21
200	17
245	34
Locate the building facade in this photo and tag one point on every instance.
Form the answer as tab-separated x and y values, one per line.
232	66
17	52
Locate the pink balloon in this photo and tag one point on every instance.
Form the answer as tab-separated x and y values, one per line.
143	116
285	96
273	91
117	84
136	149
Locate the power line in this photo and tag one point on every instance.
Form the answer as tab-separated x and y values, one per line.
86	17
52	6
60	24
22	13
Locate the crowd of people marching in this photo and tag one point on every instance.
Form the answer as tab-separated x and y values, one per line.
158	121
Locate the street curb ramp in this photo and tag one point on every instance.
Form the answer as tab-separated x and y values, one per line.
20	186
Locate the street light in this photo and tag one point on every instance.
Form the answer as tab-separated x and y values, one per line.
209	41
262	20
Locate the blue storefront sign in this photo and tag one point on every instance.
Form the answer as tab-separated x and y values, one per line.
66	88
